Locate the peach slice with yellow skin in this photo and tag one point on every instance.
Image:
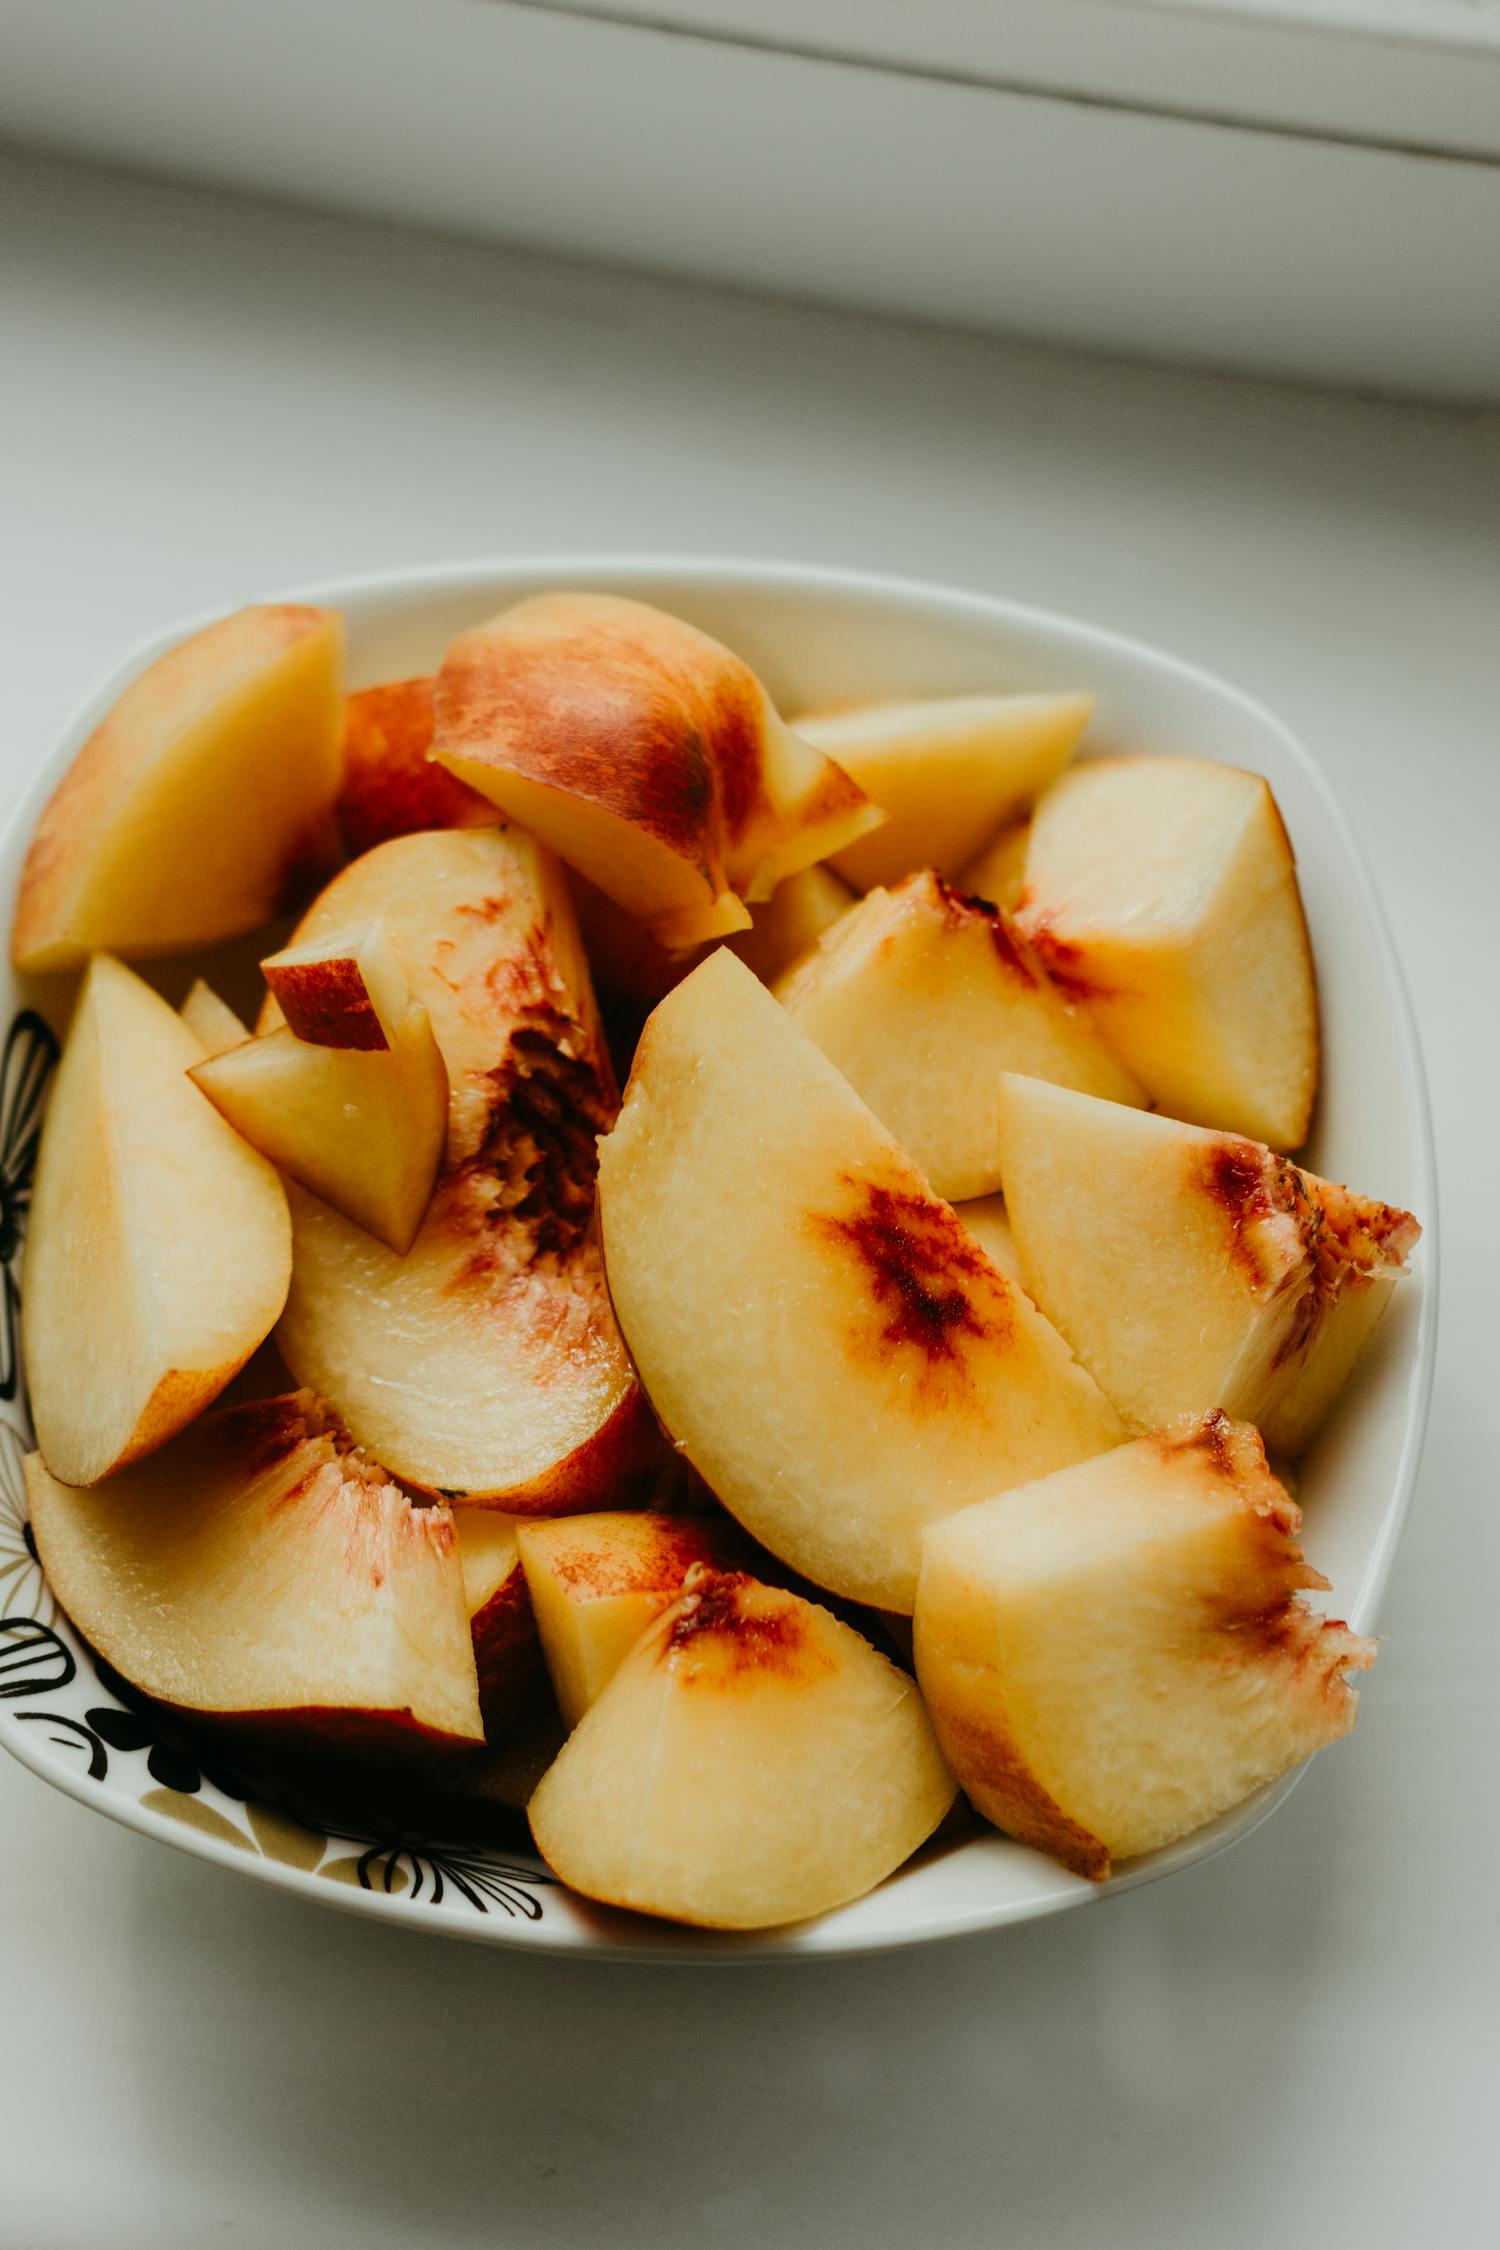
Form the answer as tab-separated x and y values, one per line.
158	1250
343	989
1162	892
507	1648
391	786
265	1579
924	1000
362	1131
1118	1653
201	805
821	1336
485	1363
753	1761
1189	1268
598	1581
947	772
646	754
211	1020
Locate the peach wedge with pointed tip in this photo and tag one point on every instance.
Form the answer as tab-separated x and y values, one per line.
752	1762
646	754
1163	893
825	1341
924	1000
263	1578
1117	1653
200	803
948	773
362	1131
1191	1269
159	1248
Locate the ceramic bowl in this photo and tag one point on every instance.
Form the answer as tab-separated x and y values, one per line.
816	636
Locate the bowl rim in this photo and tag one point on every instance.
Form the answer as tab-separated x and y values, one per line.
618	571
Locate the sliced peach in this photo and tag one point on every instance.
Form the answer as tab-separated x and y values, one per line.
345	988
265	1579
787	927
924	1000
1117	1653
752	1761
486	1363
159	1249
948	773
364	1132
201	805
1163	893
1190	1269
646	754
817	1331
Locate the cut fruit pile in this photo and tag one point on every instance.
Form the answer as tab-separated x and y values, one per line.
871	1406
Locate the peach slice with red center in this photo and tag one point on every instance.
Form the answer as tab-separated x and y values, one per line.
818	1332
753	1761
646	754
266	1580
484	1363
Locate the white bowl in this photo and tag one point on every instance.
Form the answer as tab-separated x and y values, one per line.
815	636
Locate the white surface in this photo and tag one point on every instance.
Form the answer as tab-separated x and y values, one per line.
818	638
949	196
1293	2043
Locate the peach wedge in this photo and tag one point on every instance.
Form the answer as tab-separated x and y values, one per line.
159	1249
1191	1269
924	1000
948	773
1163	893
1118	1653
752	1762
646	754
484	1363
201	804
823	1339
260	1577
362	1131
